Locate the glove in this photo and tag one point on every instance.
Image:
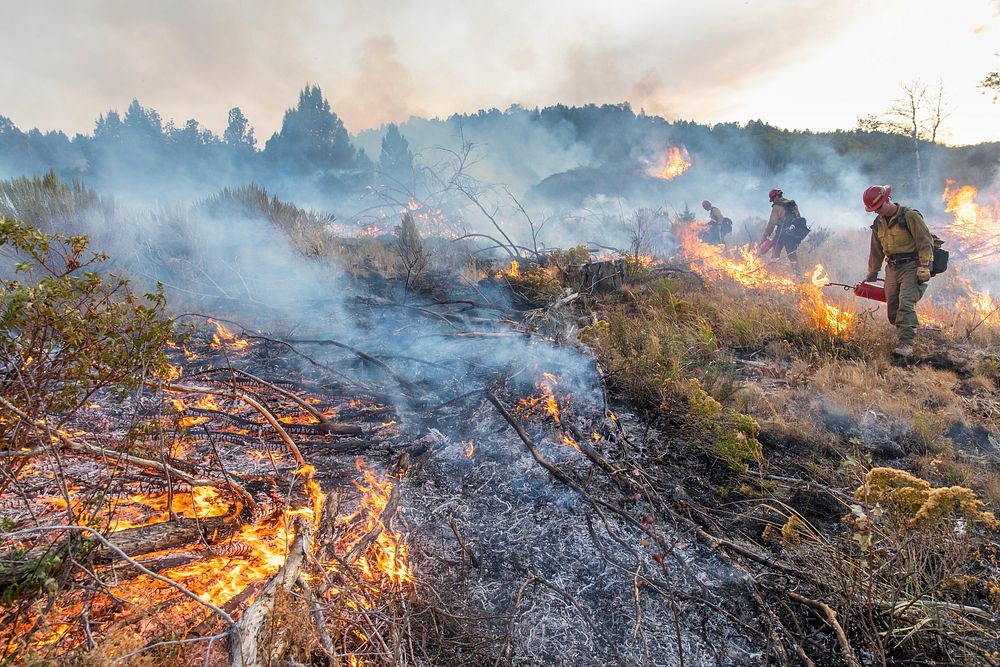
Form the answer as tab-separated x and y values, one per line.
871	277
923	273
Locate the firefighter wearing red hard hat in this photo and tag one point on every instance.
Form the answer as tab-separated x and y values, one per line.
718	225
788	226
901	238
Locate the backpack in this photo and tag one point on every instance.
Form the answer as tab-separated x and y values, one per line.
940	258
797	228
726	227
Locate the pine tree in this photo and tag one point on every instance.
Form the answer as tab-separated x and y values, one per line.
312	137
395	160
238	132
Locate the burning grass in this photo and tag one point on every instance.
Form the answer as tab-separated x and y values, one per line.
554	531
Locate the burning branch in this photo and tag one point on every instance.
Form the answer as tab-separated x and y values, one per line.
234	393
532	447
290	395
245	649
121	554
121	457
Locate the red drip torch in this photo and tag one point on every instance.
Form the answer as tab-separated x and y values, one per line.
864	289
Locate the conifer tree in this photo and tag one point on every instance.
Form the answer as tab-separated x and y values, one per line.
238	132
312	137
395	160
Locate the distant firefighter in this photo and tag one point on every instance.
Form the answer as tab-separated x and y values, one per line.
718	225
900	237
787	225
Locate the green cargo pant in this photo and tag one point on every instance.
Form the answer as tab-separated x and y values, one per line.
902	291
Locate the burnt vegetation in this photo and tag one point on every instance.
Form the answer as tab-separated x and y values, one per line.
422	436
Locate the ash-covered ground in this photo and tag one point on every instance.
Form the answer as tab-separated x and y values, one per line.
552	576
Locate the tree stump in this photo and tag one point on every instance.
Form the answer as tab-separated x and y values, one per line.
597	277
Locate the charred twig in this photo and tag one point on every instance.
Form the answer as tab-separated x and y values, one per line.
567	597
530	444
505	652
318	619
233	486
284	392
385	517
356	383
361	355
831	618
121	457
121	554
461	542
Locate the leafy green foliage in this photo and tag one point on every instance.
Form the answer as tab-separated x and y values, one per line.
66	331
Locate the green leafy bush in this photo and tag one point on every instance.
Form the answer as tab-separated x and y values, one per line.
66	330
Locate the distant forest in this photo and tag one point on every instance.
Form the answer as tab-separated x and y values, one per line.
313	157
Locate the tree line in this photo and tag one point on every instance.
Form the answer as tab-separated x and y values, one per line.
138	152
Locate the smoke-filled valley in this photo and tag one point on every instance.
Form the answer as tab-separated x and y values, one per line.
487	390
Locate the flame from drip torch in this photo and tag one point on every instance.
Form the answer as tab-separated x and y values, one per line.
820	278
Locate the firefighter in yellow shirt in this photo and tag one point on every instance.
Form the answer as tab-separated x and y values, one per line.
718	225
901	238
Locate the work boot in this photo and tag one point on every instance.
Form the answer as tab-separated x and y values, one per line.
903	350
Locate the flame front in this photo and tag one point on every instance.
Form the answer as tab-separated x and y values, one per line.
741	265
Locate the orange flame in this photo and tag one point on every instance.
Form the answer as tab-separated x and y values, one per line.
742	265
390	554
820	277
224	334
825	316
675	163
571	442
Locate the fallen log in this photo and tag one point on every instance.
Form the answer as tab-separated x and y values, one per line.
165	535
132	542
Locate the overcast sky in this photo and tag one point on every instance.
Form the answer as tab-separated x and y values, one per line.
804	64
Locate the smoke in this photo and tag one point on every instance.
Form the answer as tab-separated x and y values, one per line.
383	86
386	61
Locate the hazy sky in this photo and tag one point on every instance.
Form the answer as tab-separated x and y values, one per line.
807	64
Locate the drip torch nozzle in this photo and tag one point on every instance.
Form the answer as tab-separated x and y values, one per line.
863	289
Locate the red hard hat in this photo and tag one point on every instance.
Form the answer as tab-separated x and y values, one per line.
774	194
706	205
875	196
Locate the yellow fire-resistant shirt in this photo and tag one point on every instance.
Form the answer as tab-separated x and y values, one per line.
780	215
889	237
715	216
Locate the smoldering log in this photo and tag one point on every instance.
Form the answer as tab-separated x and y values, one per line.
132	542
166	535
